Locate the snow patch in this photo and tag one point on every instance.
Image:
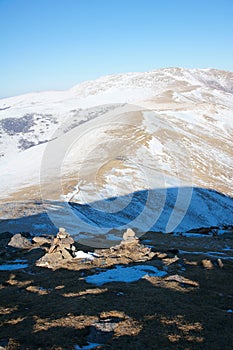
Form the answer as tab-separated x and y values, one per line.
89	346
124	274
14	265
82	255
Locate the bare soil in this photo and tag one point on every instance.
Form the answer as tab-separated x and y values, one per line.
189	308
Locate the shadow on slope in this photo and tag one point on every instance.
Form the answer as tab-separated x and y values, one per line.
157	210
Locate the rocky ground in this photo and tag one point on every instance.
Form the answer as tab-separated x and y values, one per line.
159	292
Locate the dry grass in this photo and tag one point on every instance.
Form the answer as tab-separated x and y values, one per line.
44	309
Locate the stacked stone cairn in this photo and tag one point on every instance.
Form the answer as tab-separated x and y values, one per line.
62	249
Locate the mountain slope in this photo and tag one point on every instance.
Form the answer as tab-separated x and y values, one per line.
122	134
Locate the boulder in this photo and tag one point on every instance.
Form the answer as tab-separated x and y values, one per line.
49	260
18	241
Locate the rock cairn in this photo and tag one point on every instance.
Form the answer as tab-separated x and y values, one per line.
61	252
62	249
63	245
129	250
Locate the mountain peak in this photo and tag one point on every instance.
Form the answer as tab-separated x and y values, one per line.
208	77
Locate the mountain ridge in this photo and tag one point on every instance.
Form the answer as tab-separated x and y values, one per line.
118	75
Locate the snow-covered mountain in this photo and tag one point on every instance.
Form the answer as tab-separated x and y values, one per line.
120	135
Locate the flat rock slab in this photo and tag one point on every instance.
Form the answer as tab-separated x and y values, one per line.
18	241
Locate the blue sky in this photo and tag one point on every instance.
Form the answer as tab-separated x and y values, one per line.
55	44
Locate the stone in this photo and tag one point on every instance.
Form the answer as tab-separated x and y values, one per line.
41	240
64	246
62	243
161	255
62	233
169	261
56	241
18	241
49	260
65	254
207	264
52	249
151	255
182	280
220	263
67	241
129	236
